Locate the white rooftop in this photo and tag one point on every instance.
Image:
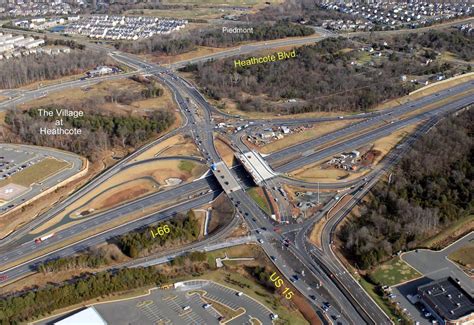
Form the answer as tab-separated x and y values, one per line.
88	316
256	166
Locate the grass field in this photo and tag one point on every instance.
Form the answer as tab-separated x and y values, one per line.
394	272
371	290
186	166
258	196
464	256
36	173
174	146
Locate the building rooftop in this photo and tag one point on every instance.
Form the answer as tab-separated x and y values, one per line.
88	316
448	299
256	166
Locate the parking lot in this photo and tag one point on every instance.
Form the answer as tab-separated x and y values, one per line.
434	265
182	304
26	171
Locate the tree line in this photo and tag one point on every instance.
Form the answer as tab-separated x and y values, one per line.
262	275
183	228
431	188
28	69
187	41
100	130
85	260
43	301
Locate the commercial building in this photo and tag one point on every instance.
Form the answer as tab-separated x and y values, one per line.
88	316
448	302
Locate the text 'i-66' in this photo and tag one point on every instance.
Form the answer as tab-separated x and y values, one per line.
161	231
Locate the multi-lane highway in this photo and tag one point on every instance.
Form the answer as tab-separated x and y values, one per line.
303	265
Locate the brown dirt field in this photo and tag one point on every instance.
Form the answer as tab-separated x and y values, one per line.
384	145
314	172
464	256
77	96
2	118
200	215
224	150
315	236
174	146
124	196
317	130
338	206
124	181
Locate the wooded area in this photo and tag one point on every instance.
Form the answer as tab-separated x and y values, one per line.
40	302
100	130
430	43
25	70
325	77
431	188
187	41
183	229
88	259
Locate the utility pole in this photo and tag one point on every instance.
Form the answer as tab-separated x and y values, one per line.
318	193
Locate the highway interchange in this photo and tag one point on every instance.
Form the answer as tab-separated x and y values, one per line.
325	278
